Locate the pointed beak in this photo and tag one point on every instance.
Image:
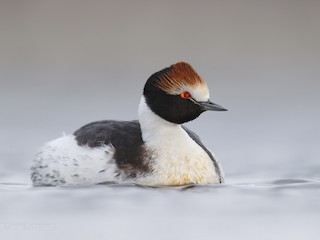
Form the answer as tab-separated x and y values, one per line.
210	106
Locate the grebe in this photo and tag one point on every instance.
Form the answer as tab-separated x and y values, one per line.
156	150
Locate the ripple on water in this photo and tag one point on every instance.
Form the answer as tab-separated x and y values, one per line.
283	183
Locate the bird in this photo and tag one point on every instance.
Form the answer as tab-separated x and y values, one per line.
155	150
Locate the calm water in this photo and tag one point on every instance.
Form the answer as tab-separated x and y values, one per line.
279	209
272	189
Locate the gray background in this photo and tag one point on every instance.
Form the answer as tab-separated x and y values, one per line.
66	63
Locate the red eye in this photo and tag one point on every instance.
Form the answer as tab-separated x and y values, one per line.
185	95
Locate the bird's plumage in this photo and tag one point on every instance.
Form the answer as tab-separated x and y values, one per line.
155	150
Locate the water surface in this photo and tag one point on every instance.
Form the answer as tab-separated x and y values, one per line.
277	209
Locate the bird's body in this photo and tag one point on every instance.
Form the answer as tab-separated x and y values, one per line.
156	150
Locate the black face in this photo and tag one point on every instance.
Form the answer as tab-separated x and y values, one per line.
172	108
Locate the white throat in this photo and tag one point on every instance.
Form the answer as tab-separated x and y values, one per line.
178	159
154	127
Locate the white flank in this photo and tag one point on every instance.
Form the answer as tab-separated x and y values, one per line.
63	162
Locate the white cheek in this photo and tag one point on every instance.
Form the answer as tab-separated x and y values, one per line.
199	93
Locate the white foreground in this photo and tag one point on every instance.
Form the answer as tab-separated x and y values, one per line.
281	209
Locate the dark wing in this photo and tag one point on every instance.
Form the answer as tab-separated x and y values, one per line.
119	133
125	136
197	139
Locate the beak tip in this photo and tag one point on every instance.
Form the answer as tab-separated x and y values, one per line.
216	107
210	106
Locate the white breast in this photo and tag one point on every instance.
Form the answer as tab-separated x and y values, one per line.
177	159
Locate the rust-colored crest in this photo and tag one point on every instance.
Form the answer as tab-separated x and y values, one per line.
180	75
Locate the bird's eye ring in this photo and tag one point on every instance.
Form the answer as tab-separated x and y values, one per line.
185	95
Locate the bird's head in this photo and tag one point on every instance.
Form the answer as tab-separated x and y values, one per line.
178	94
